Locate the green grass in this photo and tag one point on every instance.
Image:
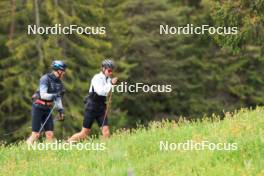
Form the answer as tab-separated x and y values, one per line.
138	151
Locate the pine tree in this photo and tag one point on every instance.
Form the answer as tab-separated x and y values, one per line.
24	58
206	78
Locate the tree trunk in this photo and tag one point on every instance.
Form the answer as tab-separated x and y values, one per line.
13	14
40	53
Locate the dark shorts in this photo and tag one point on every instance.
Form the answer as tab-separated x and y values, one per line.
39	115
94	111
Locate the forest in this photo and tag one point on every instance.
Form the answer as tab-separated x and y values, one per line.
209	74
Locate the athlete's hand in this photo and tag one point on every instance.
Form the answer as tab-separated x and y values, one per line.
61	116
114	80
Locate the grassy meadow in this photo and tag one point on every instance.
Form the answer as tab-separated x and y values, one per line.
138	152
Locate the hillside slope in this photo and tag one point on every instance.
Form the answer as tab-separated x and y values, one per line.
155	151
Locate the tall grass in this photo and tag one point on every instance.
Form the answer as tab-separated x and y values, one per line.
137	152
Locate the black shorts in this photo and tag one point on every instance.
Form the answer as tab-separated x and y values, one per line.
39	115
94	111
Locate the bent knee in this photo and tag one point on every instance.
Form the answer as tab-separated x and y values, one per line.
84	132
106	131
49	134
35	135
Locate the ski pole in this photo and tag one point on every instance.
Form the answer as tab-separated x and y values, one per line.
107	107
47	118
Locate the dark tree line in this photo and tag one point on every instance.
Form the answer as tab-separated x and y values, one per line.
208	73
